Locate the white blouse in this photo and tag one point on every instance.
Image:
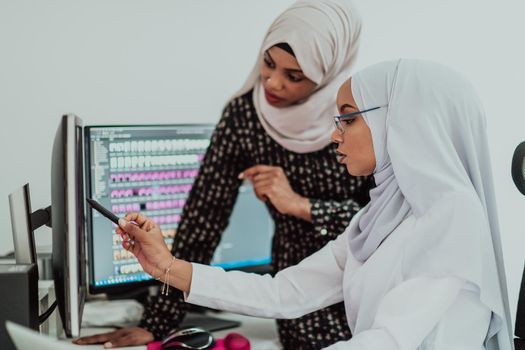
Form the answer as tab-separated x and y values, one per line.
384	311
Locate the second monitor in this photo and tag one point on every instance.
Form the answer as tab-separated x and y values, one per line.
151	169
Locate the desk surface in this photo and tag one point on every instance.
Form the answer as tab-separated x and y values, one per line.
262	333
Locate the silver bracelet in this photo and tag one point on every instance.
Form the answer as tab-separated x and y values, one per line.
166	285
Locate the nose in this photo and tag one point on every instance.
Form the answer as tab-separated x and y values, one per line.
336	136
274	82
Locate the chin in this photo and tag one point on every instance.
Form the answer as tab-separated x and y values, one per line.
355	171
280	104
351	170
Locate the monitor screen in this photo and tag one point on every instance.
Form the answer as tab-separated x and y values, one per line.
151	169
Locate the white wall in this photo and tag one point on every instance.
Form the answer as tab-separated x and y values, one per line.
113	62
178	61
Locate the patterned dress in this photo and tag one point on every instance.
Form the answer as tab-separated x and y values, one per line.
238	142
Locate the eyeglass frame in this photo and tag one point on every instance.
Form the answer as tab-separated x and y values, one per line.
338	118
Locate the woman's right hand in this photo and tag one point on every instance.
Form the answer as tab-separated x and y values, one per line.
143	237
121	337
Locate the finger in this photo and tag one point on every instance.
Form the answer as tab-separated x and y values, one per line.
149	225
139	218
264	176
259	185
123	234
128	339
250	172
97	338
128	245
125	237
263	193
261	197
266	192
131	229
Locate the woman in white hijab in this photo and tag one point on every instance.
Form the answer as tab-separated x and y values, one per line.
274	132
420	267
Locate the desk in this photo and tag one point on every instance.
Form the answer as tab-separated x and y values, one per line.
262	333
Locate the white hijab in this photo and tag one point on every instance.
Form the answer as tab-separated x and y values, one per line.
431	145
324	36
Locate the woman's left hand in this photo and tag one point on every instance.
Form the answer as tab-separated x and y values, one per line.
270	183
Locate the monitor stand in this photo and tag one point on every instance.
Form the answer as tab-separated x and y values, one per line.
24	222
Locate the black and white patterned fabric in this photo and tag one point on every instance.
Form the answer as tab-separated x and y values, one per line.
238	142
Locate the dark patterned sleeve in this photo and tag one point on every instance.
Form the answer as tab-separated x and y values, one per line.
330	218
205	217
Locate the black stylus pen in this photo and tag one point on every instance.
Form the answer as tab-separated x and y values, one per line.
98	207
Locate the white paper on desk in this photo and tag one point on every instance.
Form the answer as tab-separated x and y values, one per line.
27	339
119	313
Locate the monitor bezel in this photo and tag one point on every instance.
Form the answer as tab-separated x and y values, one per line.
125	287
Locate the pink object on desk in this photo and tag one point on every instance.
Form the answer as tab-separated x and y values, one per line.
232	341
154	345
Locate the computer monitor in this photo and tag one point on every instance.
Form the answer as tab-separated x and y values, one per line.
23	239
67	218
151	169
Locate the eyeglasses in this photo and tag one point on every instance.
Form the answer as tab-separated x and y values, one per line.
350	116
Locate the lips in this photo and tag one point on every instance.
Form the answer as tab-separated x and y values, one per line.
340	157
272	98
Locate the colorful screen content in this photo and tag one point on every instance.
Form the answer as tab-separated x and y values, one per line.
151	169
